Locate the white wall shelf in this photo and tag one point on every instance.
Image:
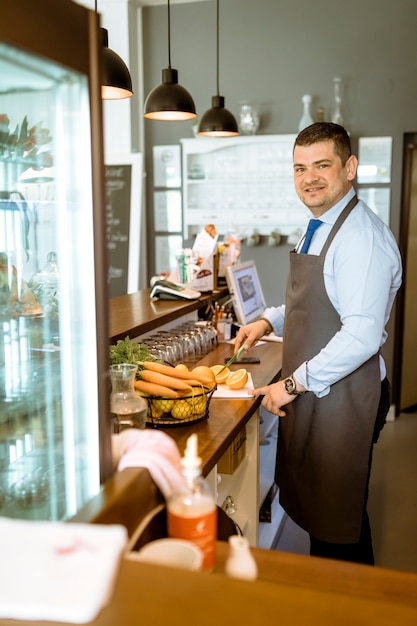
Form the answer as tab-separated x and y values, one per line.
240	182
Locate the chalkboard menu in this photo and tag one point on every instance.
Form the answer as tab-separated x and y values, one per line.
123	200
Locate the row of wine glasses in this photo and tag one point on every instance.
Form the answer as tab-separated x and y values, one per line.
186	343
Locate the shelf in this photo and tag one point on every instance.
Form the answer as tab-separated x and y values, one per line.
245	181
235	180
267	458
269	531
230	483
268	424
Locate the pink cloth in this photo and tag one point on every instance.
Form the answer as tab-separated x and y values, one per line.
153	450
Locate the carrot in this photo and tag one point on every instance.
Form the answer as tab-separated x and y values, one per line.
165	381
201	373
160	368
193	382
153	389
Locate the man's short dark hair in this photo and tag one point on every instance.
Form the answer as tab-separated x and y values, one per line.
326	131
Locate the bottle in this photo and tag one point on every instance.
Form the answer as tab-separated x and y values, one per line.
306	118
337	114
240	562
129	410
192	512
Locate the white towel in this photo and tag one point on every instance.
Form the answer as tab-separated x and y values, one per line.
153	450
57	571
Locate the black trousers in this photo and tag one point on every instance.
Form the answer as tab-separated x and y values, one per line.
362	551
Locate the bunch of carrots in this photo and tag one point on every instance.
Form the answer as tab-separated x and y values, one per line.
164	381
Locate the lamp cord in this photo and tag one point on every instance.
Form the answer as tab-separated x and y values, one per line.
169	35
217	63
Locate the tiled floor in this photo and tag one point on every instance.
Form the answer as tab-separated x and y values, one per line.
392	501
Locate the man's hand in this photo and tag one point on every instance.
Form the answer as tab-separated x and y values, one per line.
275	397
248	335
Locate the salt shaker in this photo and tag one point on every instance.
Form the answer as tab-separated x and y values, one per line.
240	562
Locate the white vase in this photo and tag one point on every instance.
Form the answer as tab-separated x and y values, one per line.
240	562
337	113
306	118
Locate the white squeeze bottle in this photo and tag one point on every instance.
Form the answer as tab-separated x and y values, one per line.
192	512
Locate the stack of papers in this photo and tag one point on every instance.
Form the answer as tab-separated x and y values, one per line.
57	571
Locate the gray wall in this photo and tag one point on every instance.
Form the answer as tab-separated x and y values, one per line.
274	51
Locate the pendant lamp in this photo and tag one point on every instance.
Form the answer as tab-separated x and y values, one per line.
116	82
217	121
169	102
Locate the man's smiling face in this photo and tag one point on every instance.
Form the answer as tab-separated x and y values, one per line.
320	178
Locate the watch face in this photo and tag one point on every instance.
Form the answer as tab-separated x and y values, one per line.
289	385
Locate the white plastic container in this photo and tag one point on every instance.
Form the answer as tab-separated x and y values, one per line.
240	562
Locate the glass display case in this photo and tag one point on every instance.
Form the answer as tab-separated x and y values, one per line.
54	424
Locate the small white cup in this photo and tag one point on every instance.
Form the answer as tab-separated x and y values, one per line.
170	552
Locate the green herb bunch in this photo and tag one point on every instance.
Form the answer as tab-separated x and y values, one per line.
128	351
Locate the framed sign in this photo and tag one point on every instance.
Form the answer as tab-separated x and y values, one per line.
374	160
124	179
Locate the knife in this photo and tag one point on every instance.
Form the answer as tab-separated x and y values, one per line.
230	361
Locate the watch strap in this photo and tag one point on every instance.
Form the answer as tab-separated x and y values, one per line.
270	327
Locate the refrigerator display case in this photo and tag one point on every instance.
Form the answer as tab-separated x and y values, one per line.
54	416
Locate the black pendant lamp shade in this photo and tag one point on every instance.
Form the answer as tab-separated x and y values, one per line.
116	82
169	102
217	121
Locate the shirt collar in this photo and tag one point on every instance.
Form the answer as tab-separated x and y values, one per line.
330	216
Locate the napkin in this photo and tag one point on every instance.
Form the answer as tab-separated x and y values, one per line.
153	450
57	571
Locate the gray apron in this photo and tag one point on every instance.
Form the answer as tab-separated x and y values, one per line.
324	443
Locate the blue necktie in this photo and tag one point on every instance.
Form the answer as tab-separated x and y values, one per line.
311	228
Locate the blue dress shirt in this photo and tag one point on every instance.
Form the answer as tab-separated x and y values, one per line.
362	274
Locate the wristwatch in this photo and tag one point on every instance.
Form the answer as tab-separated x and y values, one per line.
270	327
290	386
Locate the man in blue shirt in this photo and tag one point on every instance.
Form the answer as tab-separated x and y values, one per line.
334	389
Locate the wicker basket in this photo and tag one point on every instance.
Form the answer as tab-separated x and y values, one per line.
170	412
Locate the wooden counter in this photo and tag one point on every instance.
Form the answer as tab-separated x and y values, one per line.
291	590
136	314
227	417
215	435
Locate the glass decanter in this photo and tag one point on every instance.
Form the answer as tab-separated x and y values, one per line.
129	410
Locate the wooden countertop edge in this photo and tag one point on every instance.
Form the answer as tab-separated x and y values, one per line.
331	575
228	416
136	314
